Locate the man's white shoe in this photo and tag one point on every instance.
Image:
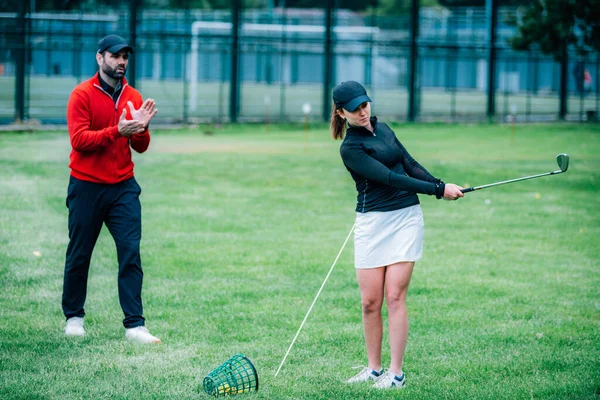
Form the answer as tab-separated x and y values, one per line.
141	335
74	327
390	380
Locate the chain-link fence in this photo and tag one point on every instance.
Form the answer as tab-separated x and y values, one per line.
272	65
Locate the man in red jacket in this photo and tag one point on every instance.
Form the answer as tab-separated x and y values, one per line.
106	119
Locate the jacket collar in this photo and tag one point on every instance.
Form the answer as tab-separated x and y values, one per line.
107	88
361	130
98	82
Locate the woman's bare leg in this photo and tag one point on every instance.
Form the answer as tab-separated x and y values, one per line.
371	284
397	278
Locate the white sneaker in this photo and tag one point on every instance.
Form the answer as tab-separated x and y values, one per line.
390	380
141	335
365	375
74	327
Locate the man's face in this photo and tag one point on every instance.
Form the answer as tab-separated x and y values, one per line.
113	65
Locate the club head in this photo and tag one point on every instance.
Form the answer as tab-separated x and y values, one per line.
563	161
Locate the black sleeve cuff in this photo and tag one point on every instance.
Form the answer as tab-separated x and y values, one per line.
439	189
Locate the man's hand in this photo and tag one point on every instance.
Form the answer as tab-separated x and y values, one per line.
452	192
129	127
145	113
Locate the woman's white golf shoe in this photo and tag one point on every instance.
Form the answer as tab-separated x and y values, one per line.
390	380
365	375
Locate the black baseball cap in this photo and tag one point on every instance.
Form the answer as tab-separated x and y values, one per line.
349	95
113	44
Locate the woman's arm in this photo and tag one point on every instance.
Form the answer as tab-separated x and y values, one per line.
413	168
356	158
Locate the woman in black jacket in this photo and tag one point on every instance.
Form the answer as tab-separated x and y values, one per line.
388	236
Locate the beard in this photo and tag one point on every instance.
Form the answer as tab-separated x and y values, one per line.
112	72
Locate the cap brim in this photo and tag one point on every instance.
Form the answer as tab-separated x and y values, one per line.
354	103
118	47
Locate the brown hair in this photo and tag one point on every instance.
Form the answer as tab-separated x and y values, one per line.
337	127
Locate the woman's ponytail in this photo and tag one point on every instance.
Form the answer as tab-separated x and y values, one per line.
337	125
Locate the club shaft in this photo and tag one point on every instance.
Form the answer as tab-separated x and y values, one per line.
510	181
315	300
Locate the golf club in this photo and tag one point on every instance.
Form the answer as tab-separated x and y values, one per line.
315	300
563	163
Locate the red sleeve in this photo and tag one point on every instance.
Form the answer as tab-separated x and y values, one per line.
141	141
79	123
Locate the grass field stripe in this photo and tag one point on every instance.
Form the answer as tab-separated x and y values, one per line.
315	300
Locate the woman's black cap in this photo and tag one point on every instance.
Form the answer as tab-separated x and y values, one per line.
349	95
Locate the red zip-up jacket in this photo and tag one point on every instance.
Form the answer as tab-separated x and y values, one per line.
100	154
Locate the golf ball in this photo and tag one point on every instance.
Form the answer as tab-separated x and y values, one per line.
226	389
488	201
37	253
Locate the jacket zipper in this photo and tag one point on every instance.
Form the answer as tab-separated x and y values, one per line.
115	119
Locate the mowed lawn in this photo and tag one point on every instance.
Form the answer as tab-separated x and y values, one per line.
240	226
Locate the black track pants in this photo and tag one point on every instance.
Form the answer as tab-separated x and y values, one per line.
118	207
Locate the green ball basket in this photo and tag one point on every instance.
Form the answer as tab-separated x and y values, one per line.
235	376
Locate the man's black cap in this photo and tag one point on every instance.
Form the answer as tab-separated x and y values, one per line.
113	44
349	95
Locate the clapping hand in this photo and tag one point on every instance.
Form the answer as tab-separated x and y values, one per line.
145	113
128	127
140	118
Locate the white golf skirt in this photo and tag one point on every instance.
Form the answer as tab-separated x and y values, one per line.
382	238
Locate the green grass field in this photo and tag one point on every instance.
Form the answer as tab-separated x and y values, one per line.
240	229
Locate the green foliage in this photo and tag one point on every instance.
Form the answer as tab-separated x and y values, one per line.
194	4
397	7
356	5
382	7
482	3
392	7
556	25
11	6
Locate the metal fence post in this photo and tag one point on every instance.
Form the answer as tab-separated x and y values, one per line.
21	61
413	80
597	115
492	16
234	89
133	20
564	66
328	60
186	89
283	55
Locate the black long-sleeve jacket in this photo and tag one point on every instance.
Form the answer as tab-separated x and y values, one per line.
387	177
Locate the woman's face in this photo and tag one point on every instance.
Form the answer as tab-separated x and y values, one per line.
359	117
